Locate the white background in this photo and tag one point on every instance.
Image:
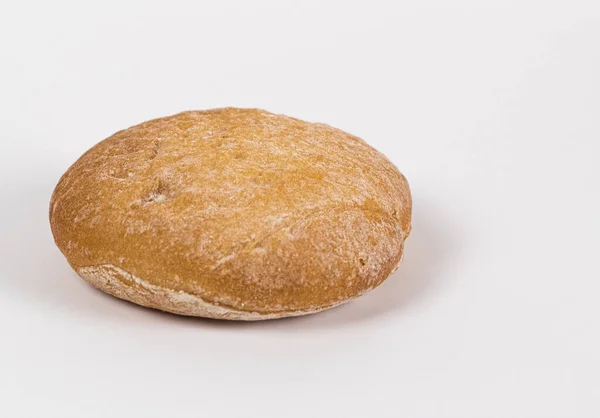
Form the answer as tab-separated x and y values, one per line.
490	108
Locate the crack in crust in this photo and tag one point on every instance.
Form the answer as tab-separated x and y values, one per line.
124	285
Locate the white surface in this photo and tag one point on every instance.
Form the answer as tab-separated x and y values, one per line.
490	108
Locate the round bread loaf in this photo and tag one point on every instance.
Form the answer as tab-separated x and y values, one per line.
232	214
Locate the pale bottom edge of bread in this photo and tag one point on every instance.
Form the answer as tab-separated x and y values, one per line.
124	285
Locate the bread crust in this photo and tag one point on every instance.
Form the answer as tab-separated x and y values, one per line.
232	214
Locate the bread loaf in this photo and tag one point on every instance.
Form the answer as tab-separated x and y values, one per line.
234	214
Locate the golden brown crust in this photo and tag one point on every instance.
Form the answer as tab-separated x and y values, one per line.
244	209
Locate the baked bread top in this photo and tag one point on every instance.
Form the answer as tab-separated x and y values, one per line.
244	209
